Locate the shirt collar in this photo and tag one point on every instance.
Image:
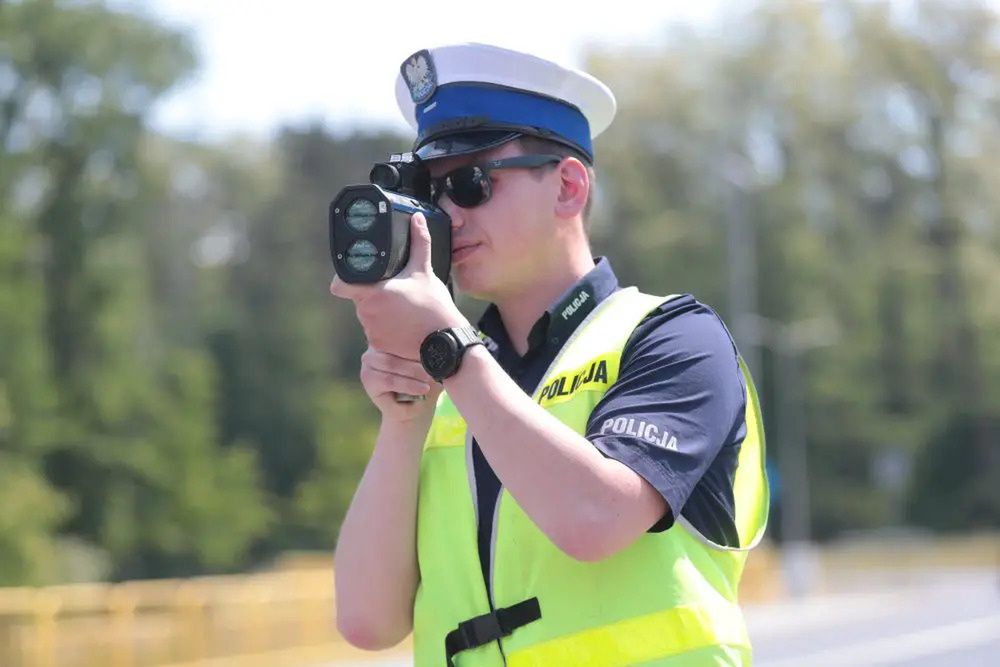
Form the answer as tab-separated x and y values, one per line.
565	314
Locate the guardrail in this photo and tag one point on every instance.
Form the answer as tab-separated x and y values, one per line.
276	618
167	622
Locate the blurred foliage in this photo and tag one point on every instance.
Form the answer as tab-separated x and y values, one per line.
178	390
111	432
857	141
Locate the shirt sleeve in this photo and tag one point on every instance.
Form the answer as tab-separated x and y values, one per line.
676	414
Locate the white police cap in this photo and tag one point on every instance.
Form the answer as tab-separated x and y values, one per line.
467	97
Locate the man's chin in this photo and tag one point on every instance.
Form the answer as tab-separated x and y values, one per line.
470	284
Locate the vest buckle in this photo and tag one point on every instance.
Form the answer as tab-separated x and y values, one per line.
483	629
480	630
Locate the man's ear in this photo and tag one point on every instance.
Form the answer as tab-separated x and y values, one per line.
574	188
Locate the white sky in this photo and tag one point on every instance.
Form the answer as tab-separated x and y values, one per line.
265	62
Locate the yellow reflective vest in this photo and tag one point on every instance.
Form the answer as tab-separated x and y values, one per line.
670	598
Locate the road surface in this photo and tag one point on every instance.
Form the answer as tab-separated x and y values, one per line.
917	619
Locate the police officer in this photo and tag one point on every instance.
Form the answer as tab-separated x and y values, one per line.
585	489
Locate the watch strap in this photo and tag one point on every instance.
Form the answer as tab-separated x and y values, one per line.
466	337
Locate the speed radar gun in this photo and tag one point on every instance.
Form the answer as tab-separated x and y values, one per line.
370	223
370	226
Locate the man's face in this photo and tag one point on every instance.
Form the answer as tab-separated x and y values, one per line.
499	248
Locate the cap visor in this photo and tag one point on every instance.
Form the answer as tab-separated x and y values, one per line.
464	143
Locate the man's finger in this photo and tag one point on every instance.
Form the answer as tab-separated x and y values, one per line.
399	384
391	363
344	290
420	245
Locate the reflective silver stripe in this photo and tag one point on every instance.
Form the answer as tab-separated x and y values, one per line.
682	521
489	572
470	469
751	405
493	544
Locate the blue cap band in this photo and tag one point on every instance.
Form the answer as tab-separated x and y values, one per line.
502	107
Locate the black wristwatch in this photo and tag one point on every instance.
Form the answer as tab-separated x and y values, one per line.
441	352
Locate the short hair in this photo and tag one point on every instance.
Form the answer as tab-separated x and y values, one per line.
533	144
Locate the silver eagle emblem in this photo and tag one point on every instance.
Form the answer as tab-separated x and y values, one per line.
421	78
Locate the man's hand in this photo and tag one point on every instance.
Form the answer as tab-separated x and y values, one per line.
397	314
384	375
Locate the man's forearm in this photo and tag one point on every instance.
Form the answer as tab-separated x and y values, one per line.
588	505
375	563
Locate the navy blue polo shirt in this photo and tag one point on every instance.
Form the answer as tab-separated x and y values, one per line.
679	373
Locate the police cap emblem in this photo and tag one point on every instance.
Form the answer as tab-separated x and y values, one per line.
420	76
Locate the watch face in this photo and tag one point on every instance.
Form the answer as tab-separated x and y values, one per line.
438	355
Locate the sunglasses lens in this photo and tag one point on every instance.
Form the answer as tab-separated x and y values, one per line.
468	186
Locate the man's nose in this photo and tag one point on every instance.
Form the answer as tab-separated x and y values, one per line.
456	213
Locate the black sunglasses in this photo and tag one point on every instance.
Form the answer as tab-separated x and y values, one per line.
470	186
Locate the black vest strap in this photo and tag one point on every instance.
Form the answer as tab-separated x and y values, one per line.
484	629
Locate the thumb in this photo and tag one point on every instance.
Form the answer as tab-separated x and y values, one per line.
420	245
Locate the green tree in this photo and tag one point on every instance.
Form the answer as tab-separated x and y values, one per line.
850	140
346	430
132	449
30	508
288	341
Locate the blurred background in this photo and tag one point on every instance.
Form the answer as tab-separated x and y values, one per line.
181	425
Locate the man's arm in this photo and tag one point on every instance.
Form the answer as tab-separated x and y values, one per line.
588	505
375	571
376	558
593	496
